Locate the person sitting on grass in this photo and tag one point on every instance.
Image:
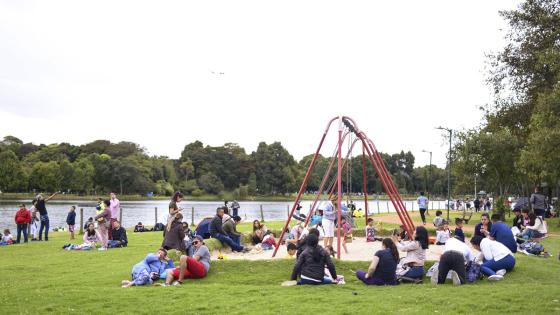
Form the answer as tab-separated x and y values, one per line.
370	231
174	235
518	220
118	236
7	238
89	240
195	267
455	256
310	265
443	233
150	269
438	220
291	250
383	267
89	220
501	232
459	229
413	264
230	228
189	237
496	257
259	231
484	227
216	231
535	228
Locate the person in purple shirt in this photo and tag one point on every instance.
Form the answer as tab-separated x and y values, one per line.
501	232
114	208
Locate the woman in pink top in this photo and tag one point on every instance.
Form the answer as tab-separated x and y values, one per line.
103	220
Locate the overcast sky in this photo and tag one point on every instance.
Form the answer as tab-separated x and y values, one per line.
166	73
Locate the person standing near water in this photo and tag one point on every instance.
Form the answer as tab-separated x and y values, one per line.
114	208
40	205
423	206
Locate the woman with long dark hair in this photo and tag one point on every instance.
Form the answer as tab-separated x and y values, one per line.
382	270
413	263
310	266
174	236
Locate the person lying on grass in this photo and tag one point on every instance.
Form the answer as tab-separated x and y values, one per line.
195	267
150	269
90	239
496	257
310	265
382	270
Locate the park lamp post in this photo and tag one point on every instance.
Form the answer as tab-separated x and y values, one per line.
428	188
448	170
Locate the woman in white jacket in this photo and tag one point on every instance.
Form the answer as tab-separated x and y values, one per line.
537	229
496	256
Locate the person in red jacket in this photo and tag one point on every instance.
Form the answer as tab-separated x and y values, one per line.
23	217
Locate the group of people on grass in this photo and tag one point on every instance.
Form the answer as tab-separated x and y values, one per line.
108	232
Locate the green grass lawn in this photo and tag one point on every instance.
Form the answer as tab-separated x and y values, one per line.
38	278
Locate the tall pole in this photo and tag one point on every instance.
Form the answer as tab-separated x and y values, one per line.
339	188
449	176
448	170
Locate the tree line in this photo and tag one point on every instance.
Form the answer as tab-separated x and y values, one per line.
125	167
517	146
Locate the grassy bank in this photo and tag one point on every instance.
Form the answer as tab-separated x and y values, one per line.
39	278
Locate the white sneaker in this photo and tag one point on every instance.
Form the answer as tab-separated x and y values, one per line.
495	277
455	278
501	272
102	248
289	283
435	274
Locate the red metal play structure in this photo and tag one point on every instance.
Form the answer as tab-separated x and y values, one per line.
346	127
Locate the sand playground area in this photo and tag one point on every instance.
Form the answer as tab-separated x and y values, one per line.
358	250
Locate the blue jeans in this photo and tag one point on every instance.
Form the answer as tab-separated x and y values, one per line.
236	239
22	228
528	233
44	225
306	281
489	267
226	239
415	272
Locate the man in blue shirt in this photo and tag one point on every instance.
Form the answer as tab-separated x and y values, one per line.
502	233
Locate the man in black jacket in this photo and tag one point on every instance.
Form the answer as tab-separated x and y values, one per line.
119	236
216	231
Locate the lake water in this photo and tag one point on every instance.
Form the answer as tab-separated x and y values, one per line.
144	211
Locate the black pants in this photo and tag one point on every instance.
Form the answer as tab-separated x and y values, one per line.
423	215
452	260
